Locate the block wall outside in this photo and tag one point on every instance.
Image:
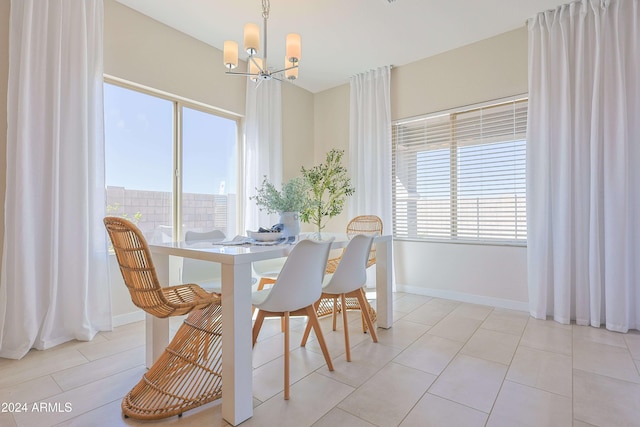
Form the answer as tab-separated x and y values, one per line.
151	211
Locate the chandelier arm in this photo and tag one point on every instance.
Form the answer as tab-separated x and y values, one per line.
234	73
285	69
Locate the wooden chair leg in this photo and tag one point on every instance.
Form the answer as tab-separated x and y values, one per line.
313	319
362	309
365	314
305	336
307	329
264	281
257	325
286	355
343	301
335	311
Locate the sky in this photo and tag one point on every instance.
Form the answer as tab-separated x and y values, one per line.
139	145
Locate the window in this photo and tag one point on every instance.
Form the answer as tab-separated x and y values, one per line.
170	166
209	184
460	176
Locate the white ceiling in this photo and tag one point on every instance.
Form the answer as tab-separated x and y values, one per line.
341	38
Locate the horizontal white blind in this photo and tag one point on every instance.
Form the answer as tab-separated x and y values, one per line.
461	175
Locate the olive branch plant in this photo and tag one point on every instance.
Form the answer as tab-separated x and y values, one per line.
292	197
328	188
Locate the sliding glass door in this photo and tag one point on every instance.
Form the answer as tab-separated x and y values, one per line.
170	166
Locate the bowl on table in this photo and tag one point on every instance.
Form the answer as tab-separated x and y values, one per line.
264	236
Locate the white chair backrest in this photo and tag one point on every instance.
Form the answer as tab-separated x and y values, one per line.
268	266
351	272
197	271
199	236
299	284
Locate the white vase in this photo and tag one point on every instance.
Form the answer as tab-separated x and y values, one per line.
291	223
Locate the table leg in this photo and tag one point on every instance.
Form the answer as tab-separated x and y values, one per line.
156	329
237	370
384	283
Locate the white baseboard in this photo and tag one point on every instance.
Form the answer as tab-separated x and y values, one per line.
123	319
462	297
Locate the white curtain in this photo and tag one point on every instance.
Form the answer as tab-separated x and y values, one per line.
54	284
263	146
583	164
370	145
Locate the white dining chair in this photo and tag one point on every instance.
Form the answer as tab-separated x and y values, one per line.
347	281
267	271
204	273
294	293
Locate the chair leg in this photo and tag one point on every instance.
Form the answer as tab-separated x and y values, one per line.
365	314
305	336
362	309
257	326
307	329
313	319
264	281
286	355
343	301
335	311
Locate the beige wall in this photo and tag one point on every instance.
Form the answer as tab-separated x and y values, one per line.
486	70
4	76
144	51
297	129
331	130
489	69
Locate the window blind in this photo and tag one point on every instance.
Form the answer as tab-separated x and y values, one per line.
461	175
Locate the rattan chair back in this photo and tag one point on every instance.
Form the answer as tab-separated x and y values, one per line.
369	225
139	275
362	224
136	265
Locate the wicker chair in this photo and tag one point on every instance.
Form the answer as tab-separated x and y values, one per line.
188	373
363	224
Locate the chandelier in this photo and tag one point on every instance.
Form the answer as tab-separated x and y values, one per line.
258	67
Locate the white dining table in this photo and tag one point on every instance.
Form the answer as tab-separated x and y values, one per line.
237	371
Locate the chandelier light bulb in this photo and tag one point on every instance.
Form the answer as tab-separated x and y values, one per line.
230	54
294	48
251	38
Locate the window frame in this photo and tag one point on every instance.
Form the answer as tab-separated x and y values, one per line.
178	103
452	147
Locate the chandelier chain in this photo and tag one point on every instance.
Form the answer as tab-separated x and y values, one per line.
265	8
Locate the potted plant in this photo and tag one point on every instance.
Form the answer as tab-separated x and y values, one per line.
328	188
288	202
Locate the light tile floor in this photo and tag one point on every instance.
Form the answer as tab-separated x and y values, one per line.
443	363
